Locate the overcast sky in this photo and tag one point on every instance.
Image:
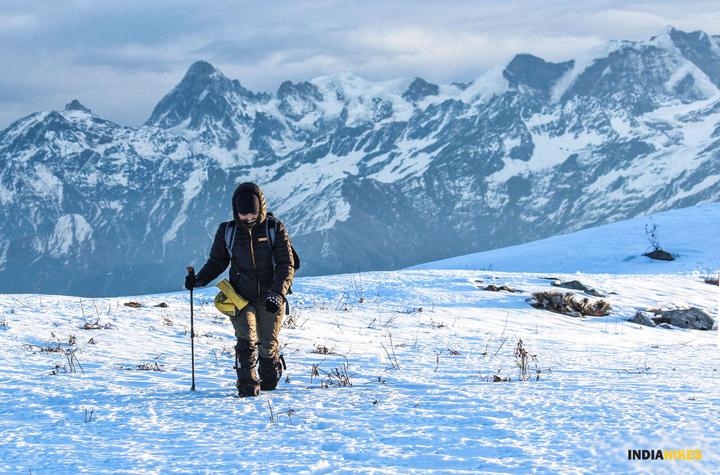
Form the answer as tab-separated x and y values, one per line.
120	57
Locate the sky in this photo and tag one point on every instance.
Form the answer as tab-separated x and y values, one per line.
119	58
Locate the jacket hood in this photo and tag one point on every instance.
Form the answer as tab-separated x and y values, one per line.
252	188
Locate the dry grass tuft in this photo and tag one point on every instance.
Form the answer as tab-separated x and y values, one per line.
569	304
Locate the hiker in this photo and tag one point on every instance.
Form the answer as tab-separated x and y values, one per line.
262	268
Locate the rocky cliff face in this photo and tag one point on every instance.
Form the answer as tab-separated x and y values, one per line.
366	175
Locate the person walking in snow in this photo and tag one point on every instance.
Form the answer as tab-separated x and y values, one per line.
262	268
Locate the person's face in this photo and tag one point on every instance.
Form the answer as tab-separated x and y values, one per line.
248	217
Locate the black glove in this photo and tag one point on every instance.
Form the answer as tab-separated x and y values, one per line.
192	282
273	302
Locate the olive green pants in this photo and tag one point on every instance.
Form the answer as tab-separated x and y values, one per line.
257	325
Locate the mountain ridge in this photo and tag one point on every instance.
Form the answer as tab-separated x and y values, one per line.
367	175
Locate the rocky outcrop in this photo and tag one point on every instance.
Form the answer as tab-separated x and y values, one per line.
692	318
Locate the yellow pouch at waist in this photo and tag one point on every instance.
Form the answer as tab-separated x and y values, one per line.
227	300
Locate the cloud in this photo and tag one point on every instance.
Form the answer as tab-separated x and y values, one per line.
121	58
15	22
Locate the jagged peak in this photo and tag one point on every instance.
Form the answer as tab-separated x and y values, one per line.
341	81
203	83
346	86
306	88
203	68
697	35
529	58
522	59
202	75
533	71
666	33
418	81
75	105
672	34
668	30
420	89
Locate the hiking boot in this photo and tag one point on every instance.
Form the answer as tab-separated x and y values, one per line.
270	371
247	383
248	388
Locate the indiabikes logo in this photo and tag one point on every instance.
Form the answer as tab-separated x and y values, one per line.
645	454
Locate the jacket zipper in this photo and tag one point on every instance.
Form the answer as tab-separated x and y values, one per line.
252	256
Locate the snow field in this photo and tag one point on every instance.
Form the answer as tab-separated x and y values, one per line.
605	385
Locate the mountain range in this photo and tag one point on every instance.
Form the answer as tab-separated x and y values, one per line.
366	175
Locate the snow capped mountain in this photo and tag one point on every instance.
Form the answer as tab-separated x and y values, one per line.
90	200
366	175
214	112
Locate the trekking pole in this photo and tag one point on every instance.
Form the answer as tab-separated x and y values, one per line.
191	271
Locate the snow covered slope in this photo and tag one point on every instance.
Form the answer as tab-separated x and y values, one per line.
421	352
413	371
691	234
